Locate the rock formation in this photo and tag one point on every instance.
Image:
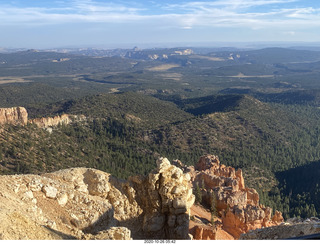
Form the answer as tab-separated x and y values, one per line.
166	200
83	203
292	228
19	115
47	122
16	115
237	205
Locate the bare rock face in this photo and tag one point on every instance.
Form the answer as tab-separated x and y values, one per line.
19	115
16	115
237	205
47	122
166	200
204	233
113	233
288	230
75	203
277	217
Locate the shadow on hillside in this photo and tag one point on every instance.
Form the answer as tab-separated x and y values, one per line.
211	104
300	190
300	179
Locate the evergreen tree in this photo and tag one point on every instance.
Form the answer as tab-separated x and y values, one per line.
198	194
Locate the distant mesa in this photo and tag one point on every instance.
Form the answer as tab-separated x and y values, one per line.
161	54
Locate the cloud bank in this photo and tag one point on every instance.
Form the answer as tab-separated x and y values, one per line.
246	13
89	21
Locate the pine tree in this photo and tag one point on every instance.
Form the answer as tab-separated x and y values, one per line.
213	207
198	194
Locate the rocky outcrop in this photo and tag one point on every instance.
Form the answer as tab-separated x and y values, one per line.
19	115
237	205
81	203
47	122
16	115
166	200
113	233
292	228
204	233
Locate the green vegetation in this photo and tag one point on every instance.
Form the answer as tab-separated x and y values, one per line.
198	194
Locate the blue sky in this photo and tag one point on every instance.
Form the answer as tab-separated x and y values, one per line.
123	23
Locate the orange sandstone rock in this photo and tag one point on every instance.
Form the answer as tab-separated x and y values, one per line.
238	206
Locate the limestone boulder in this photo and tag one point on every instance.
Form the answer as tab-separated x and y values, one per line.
50	191
97	182
113	233
283	231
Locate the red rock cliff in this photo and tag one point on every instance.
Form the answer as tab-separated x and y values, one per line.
237	205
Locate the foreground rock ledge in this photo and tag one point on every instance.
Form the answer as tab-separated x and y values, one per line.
81	203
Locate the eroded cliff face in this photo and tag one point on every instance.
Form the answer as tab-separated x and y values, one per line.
237	205
46	122
166	198
19	115
293	228
15	115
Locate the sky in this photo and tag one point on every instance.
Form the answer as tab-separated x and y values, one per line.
124	23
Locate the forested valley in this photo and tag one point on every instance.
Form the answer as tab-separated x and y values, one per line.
258	111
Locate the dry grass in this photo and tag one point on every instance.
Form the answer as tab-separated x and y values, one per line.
241	75
208	58
163	67
12	79
172	76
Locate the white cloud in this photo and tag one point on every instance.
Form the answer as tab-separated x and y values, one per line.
76	11
226	13
231	4
289	33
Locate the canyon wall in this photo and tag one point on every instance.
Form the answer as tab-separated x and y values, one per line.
15	115
46	122
19	115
